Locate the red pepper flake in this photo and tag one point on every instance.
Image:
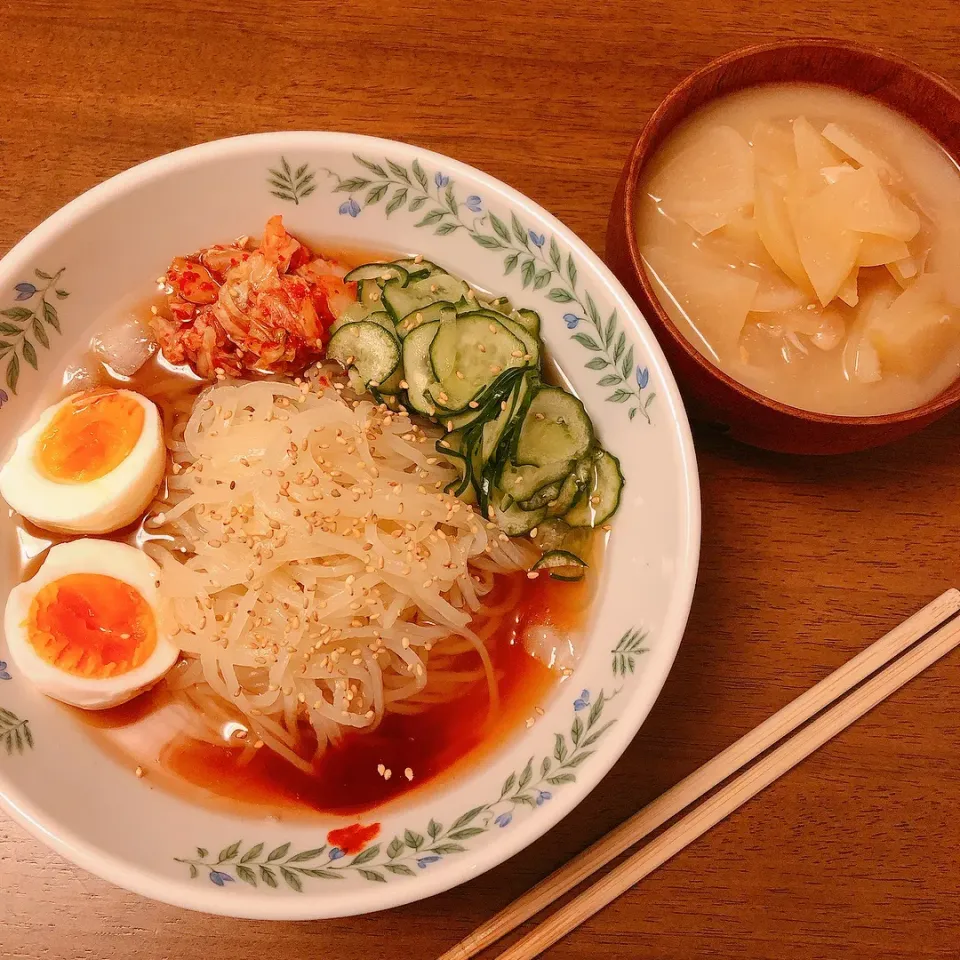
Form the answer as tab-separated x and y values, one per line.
354	838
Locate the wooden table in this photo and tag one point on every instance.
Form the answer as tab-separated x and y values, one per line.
854	854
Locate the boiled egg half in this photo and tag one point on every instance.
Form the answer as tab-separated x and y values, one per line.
85	629
90	464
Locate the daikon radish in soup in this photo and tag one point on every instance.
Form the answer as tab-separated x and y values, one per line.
806	240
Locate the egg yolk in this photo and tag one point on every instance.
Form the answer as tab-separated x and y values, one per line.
91	625
90	435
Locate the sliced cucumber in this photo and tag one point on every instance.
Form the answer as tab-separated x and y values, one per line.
391	386
531	347
468	356
382	318
381	272
351	314
562	564
417	268
417	369
523	482
529	320
370	294
403	300
570	491
602	497
369	348
515	521
501	305
556	427
441	310
543	497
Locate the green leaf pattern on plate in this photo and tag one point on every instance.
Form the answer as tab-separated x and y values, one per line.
20	326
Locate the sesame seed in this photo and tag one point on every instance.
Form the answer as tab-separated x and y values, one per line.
408	773
532	574
139	773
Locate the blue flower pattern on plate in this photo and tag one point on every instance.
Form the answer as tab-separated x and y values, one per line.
220	878
424	862
440	180
504	819
571	320
25	290
336	853
582	702
350	207
643	377
537	239
474	203
4	673
542	797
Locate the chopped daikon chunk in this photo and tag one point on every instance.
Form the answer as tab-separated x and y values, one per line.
848	290
876	250
773	148
714	299
856	150
868	208
813	152
911	335
775	230
828	247
712	179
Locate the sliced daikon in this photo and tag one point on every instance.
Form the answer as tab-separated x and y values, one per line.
833	174
868	208
856	150
812	151
711	179
913	333
775	230
848	289
876	250
773	148
828	248
903	271
714	299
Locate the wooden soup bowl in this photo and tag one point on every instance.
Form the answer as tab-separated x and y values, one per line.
712	396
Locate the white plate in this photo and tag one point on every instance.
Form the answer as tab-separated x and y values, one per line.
110	245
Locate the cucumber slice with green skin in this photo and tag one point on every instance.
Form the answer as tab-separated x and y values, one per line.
353	313
417	269
531	346
501	305
417	369
381	272
370	294
602	497
528	319
570	492
542	498
441	310
391	386
522	482
514	521
562	565
468	356
369	348
382	318
403	300
556	427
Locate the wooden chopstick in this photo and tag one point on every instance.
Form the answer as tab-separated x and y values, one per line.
736	793
710	775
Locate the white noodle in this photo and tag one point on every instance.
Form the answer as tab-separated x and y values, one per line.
323	562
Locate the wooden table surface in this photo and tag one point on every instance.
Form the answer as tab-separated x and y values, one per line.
805	561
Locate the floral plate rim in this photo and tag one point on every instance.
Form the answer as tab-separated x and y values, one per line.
147	879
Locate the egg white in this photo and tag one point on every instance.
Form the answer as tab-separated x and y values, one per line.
98	506
117	560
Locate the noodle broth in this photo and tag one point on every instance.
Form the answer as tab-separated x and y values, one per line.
166	738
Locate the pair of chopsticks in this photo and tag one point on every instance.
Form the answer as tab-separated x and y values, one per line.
886	666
